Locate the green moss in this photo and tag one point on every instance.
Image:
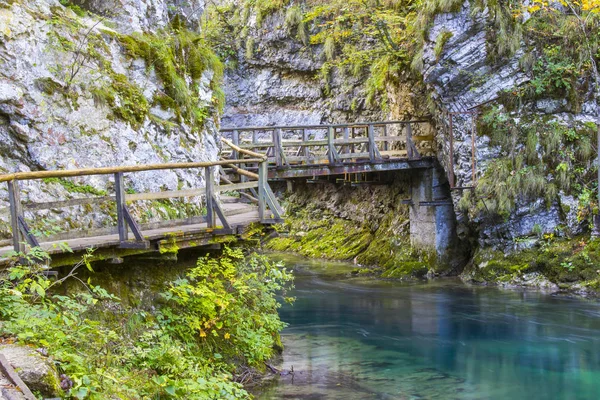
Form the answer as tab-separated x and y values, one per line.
169	244
335	238
73	187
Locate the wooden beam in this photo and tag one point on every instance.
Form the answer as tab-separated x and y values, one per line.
210	215
122	169
220	213
120	200
16	211
243	171
244	151
262	183
9	372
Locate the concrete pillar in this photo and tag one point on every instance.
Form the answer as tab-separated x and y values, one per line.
422	219
432	228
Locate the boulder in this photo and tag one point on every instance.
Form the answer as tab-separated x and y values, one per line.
37	371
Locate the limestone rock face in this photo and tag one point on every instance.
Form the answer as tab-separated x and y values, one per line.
460	79
280	84
53	115
140	15
38	373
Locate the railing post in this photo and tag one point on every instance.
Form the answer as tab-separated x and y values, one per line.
330	146
236	141
411	149
305	139
209	185
371	134
277	147
346	138
385	142
16	211
120	200
262	183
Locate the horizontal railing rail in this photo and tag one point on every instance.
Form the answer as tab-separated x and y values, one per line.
322	126
256	182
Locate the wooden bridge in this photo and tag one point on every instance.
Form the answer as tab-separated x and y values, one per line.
250	157
320	150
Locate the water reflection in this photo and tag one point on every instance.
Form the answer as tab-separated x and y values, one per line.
354	339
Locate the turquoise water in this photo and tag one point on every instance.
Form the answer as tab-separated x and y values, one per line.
351	338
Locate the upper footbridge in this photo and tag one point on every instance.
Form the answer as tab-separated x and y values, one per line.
335	149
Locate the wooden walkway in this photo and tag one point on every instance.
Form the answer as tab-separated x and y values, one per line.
250	158
322	150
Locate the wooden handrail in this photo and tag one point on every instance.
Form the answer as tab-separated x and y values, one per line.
294	127
243	151
113	170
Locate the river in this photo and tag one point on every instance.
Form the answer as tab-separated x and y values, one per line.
356	338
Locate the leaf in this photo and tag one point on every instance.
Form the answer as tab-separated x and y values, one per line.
170	390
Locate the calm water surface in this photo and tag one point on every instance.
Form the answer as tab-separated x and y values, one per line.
351	338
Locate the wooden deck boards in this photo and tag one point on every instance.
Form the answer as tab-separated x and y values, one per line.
235	218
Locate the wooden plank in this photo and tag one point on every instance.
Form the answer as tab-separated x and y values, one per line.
9	372
67	203
120	200
165	195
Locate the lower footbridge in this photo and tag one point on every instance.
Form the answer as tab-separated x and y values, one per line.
236	193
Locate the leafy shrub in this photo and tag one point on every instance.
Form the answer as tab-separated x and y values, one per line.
219	319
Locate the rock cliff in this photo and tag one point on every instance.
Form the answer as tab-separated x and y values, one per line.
77	91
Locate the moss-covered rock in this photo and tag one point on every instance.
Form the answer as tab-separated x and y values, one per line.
367	225
563	262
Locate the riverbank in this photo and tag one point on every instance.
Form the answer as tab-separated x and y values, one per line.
373	234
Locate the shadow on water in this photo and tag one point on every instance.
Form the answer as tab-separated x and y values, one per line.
352	338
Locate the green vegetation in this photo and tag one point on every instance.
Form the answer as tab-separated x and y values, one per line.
440	42
212	324
179	56
73	187
175	54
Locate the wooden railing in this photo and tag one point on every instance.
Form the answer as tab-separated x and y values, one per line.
286	146
22	235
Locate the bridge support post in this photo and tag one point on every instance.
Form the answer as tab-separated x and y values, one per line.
16	212
432	219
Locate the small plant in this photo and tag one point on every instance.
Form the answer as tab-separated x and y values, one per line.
440	42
